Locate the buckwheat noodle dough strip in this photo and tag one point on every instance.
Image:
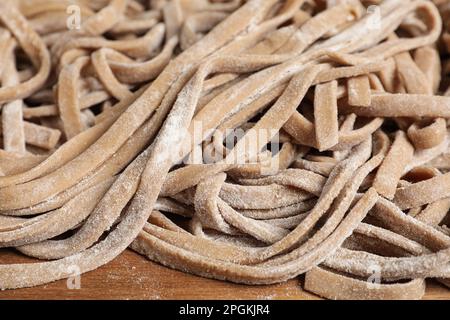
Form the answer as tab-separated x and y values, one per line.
95	225
109	81
347	72
403	105
206	246
428	136
375	83
391	170
37	135
348	123
10	165
262	197
435	212
173	17
115	165
241	117
210	94
12	223
392	47
423	192
319	25
301	179
312	157
153	171
440	162
205	202
172	206
68	216
197	23
414	80
357	262
211	122
140	47
268	45
32	45
388	77
195	263
325	115
306	35
336	181
282	160
51	22
70	149
272	121
332	285
133	26
68	97
428	60
292	202
159	219
260	230
288	223
399	242
422	156
106	142
217	6
443	242
117	89
222	166
359	93
139	72
5	42
111	167
342	204
96	24
31	8
389	215
249	111
213	169
100	219
87	101
281	212
321	168
12	118
250	39
40	136
267	117
303	131
130	225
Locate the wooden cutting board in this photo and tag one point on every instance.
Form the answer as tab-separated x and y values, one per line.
131	276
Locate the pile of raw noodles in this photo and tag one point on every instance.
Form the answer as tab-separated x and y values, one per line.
349	184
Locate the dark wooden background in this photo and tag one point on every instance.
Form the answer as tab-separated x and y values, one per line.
131	276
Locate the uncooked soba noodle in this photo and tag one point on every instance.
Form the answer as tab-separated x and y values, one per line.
247	141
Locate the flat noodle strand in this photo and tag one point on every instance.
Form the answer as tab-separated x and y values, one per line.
246	141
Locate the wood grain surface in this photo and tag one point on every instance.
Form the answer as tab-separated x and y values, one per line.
131	276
